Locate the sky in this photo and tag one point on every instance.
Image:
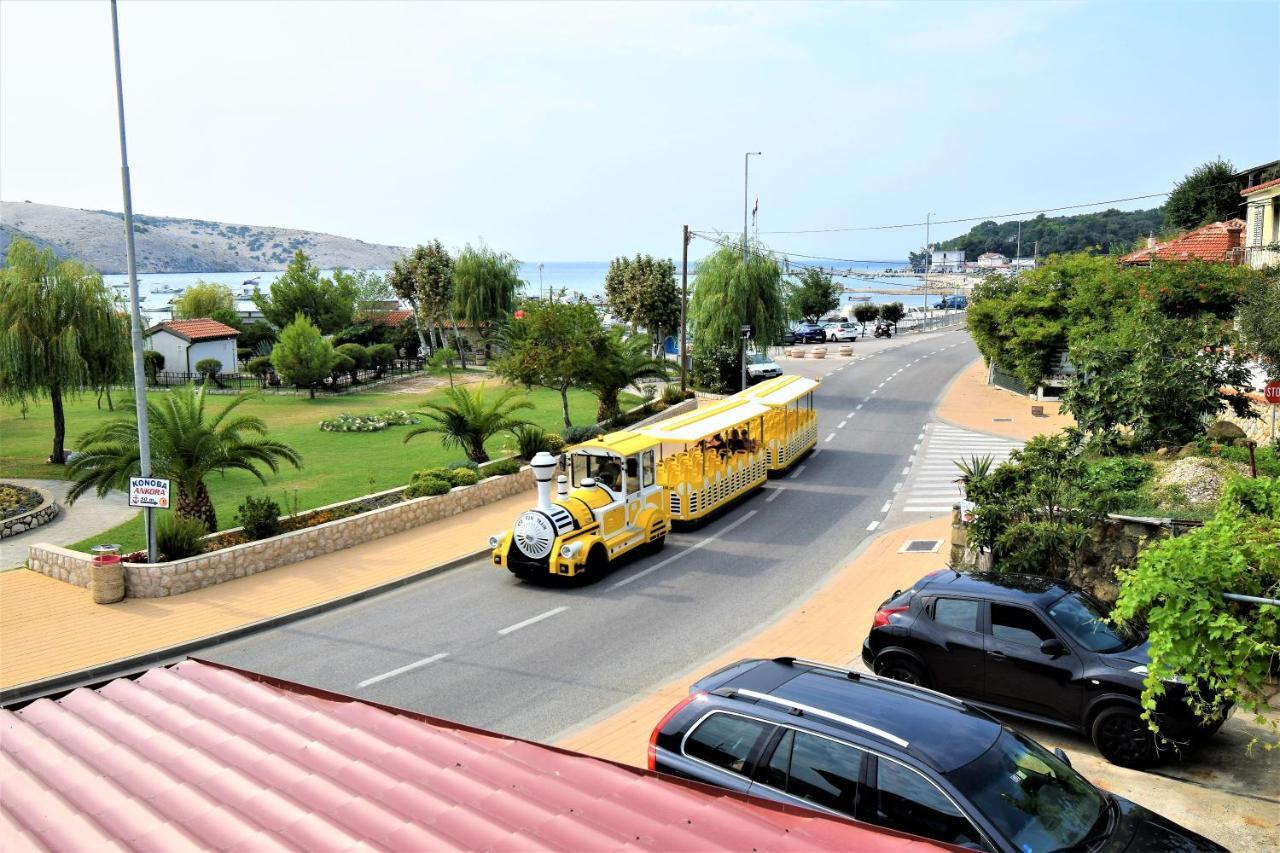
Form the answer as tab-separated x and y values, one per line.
583	131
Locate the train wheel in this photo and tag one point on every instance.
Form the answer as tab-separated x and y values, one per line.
655	544
597	565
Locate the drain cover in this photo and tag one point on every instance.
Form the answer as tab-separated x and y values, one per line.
921	546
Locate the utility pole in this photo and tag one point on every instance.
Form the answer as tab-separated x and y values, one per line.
928	262
540	291
684	306
135	313
746	173
1019	241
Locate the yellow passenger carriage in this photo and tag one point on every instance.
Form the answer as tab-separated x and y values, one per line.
791	427
621	492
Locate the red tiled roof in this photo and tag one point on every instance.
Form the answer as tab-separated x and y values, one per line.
1267	185
197	756
202	329
393	318
1213	242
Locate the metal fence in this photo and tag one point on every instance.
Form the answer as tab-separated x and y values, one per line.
273	383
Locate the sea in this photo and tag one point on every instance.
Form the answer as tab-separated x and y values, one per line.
158	290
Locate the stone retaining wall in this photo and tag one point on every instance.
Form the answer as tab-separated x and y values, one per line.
178	576
31	519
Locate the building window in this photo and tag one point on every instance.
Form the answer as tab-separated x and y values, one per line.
1255	239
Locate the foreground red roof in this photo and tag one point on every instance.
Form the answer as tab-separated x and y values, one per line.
196	756
202	329
1216	242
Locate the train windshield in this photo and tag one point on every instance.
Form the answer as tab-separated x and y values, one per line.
604	469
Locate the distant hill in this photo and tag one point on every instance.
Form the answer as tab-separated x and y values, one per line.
1107	230
166	244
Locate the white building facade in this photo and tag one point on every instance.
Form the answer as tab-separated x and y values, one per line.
185	343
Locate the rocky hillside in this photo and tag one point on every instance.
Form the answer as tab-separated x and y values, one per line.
166	244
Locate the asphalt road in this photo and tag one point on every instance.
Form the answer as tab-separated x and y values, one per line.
477	646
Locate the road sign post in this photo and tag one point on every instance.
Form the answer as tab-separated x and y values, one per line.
1272	395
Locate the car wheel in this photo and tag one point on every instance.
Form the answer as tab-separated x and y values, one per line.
1122	736
901	669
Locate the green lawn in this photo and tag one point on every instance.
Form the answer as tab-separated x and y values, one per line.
335	466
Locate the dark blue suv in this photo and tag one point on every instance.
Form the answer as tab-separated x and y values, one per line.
897	756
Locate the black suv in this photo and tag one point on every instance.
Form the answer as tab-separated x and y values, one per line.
1030	647
897	756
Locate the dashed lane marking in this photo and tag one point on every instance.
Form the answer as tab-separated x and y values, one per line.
533	619
695	546
401	670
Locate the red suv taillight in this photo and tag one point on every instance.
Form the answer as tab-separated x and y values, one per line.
653	738
883	614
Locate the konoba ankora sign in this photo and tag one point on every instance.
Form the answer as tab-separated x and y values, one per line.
149	492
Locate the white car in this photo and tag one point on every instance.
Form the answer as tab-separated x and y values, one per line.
760	367
842	331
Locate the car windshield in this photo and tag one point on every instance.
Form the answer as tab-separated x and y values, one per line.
1036	801
757	358
1085	619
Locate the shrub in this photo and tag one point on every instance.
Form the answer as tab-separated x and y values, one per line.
259	366
579	434
502	468
178	536
382	356
672	394
397	417
464	463
15	500
426	487
244	354
555	442
347	422
209	366
152	363
260	517
463	477
531	440
355	352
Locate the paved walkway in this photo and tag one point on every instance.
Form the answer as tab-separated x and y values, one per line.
972	404
48	627
89	515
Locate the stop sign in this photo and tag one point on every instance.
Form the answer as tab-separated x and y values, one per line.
1272	393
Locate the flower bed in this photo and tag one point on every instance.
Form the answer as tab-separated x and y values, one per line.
15	500
347	422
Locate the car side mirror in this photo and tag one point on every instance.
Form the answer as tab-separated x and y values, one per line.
1062	756
1053	647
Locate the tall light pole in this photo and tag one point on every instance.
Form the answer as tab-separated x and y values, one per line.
746	174
928	262
135	313
540	295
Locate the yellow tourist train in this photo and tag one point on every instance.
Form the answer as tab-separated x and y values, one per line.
620	493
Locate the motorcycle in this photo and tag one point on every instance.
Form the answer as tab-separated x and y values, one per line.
884	330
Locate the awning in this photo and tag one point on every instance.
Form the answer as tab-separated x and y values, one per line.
722	416
780	390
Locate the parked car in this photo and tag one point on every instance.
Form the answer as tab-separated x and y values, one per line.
894	755
761	367
842	331
1035	648
805	333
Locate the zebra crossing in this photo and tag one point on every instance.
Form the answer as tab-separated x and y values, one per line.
931	481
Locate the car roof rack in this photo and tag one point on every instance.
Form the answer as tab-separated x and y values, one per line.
800	709
854	675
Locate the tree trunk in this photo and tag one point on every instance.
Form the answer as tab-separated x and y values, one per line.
417	325
111	407
198	505
312	389
564	403
59	455
478	455
608	408
462	356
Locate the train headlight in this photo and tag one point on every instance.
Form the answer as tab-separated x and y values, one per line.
496	539
571	550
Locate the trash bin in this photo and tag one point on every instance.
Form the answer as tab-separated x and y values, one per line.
106	575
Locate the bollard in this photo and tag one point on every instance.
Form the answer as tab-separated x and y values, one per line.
819	352
846	350
106	574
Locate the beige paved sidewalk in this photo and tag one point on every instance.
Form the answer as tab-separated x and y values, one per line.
973	404
48	628
829	626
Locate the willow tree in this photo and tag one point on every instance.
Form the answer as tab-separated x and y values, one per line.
424	279
485	285
59	332
729	294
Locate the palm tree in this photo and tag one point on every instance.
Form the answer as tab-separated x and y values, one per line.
468	418
186	446
623	362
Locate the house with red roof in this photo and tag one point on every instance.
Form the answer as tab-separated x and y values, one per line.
185	343
1217	242
1262	213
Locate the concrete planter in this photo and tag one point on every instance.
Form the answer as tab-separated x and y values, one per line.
31	519
158	580
798	353
819	352
846	350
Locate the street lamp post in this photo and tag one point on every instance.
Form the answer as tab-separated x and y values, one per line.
746	173
135	313
540	291
928	262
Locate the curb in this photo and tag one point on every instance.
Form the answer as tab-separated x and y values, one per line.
22	694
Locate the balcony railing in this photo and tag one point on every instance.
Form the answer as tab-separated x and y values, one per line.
1261	257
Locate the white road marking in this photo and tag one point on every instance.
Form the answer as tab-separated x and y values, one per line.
906	471
897	486
828	438
851	414
773	493
881	385
695	546
859	406
915	447
873	525
403	669
886	506
526	623
874	390
842	423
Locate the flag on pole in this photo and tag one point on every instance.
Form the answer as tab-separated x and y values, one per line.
754	210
